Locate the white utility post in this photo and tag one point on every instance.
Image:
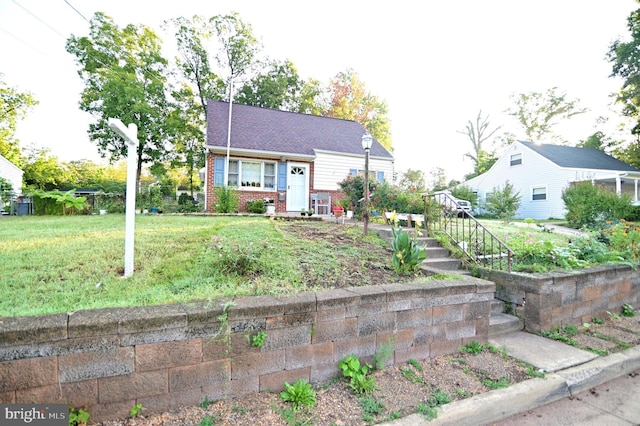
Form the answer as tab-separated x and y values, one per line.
130	135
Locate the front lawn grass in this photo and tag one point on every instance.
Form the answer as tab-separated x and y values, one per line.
63	264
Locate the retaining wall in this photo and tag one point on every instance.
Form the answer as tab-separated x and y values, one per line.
545	300
167	356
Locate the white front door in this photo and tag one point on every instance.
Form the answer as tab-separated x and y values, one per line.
297	186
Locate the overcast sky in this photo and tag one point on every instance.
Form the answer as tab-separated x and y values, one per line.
436	64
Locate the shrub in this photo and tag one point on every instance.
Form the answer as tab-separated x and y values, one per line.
186	203
256	206
591	206
238	257
227	200
503	203
465	193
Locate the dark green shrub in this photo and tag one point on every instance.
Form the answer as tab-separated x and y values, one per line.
256	206
591	206
186	203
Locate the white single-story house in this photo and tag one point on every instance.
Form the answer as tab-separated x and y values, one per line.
284	156
540	172
12	173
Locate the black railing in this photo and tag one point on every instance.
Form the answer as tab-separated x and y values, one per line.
445	215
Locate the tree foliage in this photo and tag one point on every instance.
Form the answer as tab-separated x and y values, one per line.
350	100
14	106
592	205
279	86
479	132
538	113
125	77
503	202
413	180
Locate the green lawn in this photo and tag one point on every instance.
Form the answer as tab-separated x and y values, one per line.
61	264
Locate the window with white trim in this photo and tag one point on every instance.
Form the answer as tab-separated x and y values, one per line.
248	174
515	159
539	193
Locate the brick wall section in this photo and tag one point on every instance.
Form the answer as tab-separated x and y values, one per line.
245	195
167	356
568	297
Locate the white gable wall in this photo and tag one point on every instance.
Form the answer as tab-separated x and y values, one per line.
12	173
534	172
331	168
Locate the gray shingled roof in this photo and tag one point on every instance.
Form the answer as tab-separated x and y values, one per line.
579	158
262	129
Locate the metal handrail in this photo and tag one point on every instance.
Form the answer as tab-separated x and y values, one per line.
444	214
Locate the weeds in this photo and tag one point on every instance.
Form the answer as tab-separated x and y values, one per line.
497	384
300	394
357	374
371	407
386	351
257	340
628	311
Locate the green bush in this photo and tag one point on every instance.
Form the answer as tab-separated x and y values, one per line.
226	200
299	394
591	206
256	206
383	197
503	203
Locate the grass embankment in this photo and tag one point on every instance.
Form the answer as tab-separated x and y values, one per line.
64	264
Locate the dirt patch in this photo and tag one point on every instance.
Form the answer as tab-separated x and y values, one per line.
401	389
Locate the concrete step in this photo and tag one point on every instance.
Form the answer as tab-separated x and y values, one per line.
446	264
497	306
500	324
436	252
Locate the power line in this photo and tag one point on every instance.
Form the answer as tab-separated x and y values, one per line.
43	22
76	10
27	44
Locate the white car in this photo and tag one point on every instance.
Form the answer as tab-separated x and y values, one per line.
453	204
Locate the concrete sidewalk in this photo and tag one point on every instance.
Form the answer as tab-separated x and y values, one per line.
573	376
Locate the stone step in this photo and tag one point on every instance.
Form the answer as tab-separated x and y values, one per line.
497	306
503	323
447	264
436	252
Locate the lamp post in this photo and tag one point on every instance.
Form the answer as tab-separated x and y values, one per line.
366	145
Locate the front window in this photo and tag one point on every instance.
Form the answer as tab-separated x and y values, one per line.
539	193
252	174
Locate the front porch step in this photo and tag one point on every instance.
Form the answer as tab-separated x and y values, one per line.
500	324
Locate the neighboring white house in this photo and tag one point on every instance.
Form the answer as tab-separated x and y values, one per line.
12	173
540	172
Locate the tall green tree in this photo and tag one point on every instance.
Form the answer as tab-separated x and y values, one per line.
350	100
479	133
189	143
125	77
538	113
43	171
279	86
413	180
625	63
14	106
503	202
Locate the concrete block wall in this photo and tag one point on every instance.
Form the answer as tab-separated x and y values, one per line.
168	356
562	298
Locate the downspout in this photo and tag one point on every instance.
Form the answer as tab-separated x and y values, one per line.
226	165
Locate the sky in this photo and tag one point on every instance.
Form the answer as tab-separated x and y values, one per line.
437	64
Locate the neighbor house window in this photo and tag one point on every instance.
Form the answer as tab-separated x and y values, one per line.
252	174
539	193
515	159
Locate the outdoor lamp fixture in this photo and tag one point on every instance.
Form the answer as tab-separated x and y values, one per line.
367	140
